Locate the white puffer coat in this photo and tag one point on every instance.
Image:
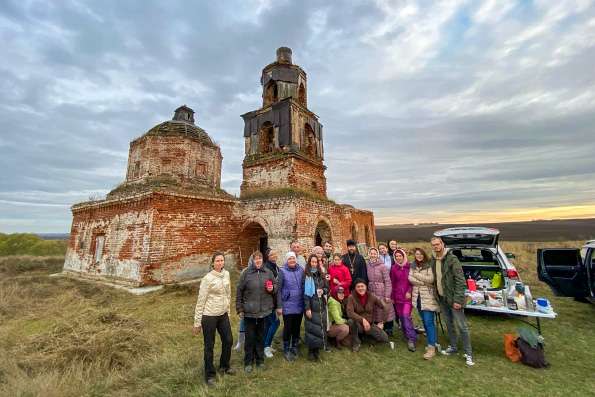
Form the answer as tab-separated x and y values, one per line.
214	295
422	279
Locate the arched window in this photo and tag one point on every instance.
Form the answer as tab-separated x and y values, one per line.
310	138
266	138
354	232
270	93
302	94
368	236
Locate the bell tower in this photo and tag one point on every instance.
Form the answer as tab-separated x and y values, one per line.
283	139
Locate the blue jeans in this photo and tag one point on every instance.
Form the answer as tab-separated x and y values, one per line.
271	324
242	325
429	324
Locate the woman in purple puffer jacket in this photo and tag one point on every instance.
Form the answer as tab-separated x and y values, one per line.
401	296
290	303
379	284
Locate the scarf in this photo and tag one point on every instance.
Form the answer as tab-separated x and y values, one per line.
363	299
309	287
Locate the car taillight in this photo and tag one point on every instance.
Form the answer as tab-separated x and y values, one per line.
512	273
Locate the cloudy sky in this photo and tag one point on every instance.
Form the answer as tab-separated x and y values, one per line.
433	111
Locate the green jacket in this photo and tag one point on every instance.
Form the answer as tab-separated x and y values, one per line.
335	313
453	280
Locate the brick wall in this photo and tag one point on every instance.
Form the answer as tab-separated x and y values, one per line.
287	171
185	159
185	232
124	226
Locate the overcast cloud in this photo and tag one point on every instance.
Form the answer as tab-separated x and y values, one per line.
429	109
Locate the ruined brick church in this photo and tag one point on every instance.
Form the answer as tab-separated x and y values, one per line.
162	224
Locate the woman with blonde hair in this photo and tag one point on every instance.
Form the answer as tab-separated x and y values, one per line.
423	297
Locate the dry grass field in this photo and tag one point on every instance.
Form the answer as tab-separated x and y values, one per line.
63	337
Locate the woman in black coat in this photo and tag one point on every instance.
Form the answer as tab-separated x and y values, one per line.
316	290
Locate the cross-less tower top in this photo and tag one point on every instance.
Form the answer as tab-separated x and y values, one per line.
284	55
283	134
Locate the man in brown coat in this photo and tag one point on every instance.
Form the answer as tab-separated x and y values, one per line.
360	308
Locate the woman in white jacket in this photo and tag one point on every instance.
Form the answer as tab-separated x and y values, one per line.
212	315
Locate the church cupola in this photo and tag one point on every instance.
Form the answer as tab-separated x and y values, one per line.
184	113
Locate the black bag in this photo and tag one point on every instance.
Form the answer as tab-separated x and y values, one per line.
532	356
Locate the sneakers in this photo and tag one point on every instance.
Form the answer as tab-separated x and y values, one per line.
228	371
430	352
289	356
469	360
260	366
210	382
248	369
411	346
356	346
392	345
268	352
240	344
449	351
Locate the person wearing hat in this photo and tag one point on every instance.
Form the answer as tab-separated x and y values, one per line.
355	262
211	316
360	310
290	303
339	329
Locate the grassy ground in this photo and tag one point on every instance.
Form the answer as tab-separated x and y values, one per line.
62	337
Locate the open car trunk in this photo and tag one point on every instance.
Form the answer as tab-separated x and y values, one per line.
481	264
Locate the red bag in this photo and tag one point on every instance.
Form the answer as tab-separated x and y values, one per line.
511	349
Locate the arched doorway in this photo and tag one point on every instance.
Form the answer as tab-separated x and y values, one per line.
368	236
253	237
322	233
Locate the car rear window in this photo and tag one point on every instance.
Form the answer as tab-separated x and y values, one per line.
469	239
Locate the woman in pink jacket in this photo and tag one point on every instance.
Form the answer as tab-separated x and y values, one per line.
379	284
401	295
339	276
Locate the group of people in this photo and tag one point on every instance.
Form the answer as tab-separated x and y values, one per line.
340	298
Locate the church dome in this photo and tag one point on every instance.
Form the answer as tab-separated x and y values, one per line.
182	124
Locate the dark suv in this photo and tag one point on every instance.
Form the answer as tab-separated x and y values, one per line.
569	271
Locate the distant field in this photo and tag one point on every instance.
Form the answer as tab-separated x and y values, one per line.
557	230
61	337
30	244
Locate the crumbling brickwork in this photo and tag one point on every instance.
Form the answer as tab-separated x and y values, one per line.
168	217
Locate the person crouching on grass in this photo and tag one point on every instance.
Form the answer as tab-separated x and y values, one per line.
401	295
339	329
450	285
254	302
360	309
212	315
315	295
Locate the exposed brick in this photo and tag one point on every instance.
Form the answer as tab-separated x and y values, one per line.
169	216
